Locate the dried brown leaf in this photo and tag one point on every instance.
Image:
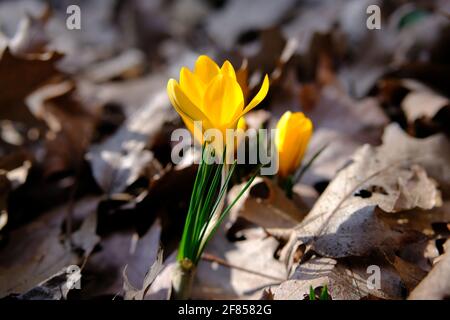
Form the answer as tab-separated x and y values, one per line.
436	285
345	220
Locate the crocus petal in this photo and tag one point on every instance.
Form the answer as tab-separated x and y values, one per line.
227	69
280	138
305	136
192	86
223	100
206	69
242	124
284	163
259	96
183	105
282	141
197	134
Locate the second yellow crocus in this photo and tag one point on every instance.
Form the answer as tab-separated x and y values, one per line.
294	131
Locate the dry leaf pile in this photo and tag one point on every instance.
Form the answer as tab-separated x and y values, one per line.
87	180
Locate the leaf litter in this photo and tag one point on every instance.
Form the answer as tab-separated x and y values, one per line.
87	180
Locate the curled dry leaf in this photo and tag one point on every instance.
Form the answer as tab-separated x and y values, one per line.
432	153
132	293
55	288
19	76
9	181
436	285
106	266
425	103
161	288
5	188
71	121
345	220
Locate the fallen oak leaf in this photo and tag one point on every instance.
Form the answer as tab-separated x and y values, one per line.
424	221
410	274
423	103
426	111
432	153
346	221
346	279
71	121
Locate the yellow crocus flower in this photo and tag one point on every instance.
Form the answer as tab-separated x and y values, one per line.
242	124
294	131
211	95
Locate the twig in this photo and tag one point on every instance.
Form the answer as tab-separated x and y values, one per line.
211	258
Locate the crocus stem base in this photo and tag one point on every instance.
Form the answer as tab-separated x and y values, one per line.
182	280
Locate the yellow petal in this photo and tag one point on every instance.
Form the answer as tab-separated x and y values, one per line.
223	101
206	69
242	124
227	69
284	163
280	137
197	134
183	105
242	127
305	135
192	86
259	96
